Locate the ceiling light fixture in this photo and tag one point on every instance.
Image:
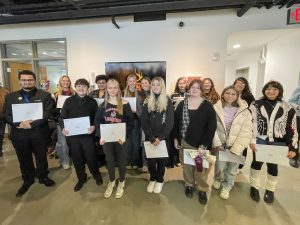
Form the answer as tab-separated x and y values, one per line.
236	46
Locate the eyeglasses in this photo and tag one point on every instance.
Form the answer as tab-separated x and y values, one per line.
81	86
27	80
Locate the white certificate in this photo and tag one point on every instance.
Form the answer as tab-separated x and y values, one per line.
27	111
132	102
272	154
227	156
77	126
113	132
187	159
99	100
159	151
61	100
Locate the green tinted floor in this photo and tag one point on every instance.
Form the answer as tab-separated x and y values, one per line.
60	205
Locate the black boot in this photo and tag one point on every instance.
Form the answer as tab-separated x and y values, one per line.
80	184
269	196
254	194
46	181
202	197
294	162
98	179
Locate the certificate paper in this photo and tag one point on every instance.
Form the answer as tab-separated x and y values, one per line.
132	102
77	126
27	111
61	100
272	154
113	132
159	151
227	156
187	159
99	100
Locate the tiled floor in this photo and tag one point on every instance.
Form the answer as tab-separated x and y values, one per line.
60	205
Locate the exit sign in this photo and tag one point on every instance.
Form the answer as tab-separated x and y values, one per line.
294	15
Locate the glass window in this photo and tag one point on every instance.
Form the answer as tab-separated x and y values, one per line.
51	49
49	74
19	50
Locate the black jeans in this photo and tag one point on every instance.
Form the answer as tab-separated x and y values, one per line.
272	168
82	149
2	131
114	152
156	167
25	148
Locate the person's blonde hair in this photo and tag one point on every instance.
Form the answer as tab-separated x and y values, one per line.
126	90
158	104
119	96
60	89
231	87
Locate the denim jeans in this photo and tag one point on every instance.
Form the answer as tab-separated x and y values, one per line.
62	148
225	172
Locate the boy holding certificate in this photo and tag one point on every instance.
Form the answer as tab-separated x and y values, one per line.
114	110
28	135
274	123
81	145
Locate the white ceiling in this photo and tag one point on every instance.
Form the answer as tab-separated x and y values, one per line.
252	41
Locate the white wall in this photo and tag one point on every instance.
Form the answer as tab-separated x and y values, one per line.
283	62
188	51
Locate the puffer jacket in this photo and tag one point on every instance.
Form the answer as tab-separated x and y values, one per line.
240	133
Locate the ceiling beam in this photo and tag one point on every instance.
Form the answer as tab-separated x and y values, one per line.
246	7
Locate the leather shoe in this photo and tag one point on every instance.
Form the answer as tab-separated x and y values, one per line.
47	182
1	154
254	194
99	180
269	196
23	189
79	185
189	191
202	197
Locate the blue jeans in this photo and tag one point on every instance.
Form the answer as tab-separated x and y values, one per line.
225	172
134	145
62	148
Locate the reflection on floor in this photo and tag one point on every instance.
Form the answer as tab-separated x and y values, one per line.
60	205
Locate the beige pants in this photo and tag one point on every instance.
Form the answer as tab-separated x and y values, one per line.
190	174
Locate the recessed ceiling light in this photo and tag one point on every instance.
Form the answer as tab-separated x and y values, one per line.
236	46
44	53
14	53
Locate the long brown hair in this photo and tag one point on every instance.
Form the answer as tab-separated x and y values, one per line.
213	95
235	104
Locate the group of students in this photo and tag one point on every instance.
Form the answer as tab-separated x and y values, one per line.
195	117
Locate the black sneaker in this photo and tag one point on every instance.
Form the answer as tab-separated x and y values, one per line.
24	188
99	180
189	191
202	197
294	163
269	196
254	194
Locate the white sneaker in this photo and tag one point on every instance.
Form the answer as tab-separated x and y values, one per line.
66	166
216	185
109	189
145	169
224	194
120	189
158	187
129	167
150	187
135	167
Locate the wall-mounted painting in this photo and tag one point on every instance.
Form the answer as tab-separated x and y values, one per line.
120	70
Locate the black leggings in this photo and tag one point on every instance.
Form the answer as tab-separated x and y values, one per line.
157	169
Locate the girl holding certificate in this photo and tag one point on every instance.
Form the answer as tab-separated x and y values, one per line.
64	89
157	123
133	155
274	123
234	132
114	110
194	128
